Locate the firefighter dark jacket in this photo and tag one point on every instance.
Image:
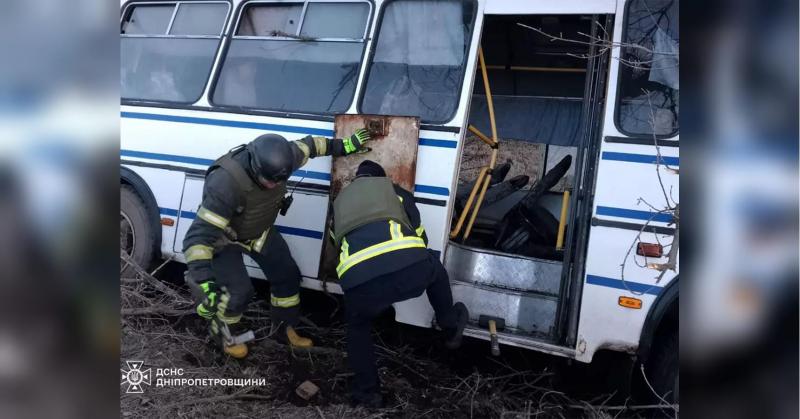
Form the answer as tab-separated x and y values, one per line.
235	210
384	245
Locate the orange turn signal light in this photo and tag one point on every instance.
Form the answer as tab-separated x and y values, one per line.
169	222
630	302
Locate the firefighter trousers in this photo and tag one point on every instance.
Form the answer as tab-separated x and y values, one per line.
280	269
367	301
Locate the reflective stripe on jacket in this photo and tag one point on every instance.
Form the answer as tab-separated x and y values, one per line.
382	247
397	242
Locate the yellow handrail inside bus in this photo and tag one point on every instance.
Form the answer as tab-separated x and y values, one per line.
485	175
562	222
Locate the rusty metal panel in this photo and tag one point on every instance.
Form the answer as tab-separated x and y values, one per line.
394	146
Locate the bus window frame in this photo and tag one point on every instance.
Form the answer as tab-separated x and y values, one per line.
459	102
294	114
618	97
127	9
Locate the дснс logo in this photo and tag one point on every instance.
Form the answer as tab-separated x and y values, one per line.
135	377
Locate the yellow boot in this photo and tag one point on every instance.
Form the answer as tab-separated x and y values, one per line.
296	340
237	351
222	334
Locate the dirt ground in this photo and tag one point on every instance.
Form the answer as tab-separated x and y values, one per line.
420	378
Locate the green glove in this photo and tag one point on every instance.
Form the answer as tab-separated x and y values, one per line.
211	293
355	143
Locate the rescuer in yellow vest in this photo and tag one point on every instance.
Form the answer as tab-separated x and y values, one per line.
384	259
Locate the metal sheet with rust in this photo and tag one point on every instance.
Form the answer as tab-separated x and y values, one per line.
394	146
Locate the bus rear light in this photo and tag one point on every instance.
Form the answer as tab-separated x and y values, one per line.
651	250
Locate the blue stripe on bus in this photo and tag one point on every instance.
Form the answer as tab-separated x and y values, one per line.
173	212
438	143
168	211
205	162
436	190
300	232
635	214
636	287
640	158
312	175
262	126
166	157
228	123
294	231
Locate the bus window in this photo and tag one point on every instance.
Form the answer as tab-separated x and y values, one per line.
167	50
297	57
648	86
419	60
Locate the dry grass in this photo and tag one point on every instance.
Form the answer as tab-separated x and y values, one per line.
159	329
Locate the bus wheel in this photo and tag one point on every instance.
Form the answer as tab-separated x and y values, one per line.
137	236
662	369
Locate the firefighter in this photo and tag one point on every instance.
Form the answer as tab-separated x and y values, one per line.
243	193
383	260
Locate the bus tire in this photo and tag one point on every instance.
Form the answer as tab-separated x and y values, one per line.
662	369
137	234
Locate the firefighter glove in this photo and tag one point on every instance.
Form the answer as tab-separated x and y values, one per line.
355	142
212	295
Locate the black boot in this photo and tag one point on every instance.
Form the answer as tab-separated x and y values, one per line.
453	335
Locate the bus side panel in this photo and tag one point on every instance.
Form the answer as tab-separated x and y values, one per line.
627	183
191	196
163	184
303	228
436	160
603	322
437	175
194	139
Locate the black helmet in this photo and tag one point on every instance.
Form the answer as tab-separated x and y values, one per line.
271	157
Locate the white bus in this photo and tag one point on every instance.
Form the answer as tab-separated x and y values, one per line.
592	79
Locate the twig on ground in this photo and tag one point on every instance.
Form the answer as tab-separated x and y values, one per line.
646	381
238	395
625	407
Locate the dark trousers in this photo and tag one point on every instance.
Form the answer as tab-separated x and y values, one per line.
368	300
279	267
